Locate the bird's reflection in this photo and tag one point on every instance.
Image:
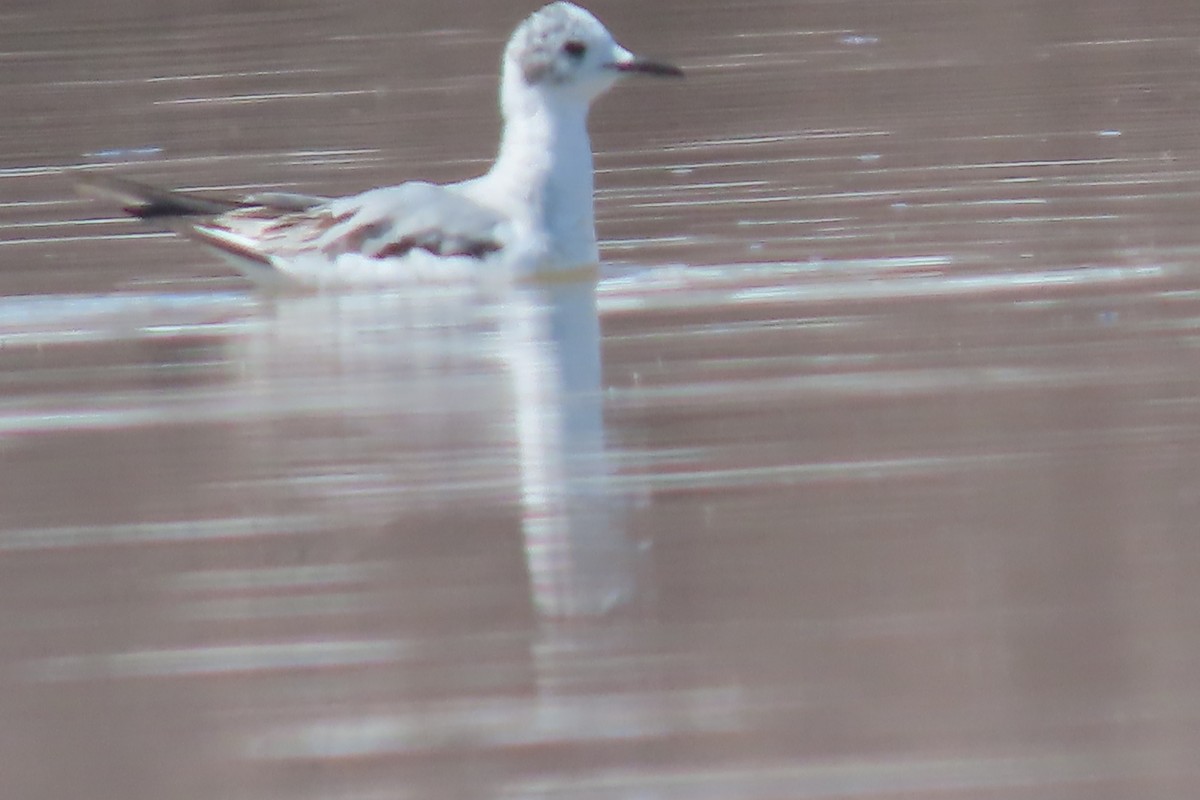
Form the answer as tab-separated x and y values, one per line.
418	377
580	560
417	413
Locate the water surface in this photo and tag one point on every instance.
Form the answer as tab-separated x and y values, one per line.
868	470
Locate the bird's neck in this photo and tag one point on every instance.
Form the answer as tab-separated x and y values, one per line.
544	171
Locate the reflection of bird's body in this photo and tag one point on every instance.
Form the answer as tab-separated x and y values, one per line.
532	212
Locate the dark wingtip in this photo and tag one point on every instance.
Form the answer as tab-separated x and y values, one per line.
145	201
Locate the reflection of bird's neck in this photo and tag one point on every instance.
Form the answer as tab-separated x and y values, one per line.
544	166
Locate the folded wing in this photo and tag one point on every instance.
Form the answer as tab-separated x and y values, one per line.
379	224
271	230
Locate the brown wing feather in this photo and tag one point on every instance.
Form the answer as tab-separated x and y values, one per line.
382	223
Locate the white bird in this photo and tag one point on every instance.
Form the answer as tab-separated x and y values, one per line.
532	212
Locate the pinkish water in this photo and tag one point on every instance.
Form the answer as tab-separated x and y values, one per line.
868	471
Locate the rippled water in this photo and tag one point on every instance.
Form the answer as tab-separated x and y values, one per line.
868	470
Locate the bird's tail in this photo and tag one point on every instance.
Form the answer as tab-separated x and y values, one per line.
192	216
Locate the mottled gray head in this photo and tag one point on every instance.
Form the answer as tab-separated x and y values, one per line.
563	48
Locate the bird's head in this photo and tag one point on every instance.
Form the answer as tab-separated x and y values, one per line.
562	50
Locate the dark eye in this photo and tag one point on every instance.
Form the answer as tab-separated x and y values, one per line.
575	49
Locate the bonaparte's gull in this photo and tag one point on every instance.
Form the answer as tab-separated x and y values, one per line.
531	213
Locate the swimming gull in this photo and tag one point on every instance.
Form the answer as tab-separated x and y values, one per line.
532	212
